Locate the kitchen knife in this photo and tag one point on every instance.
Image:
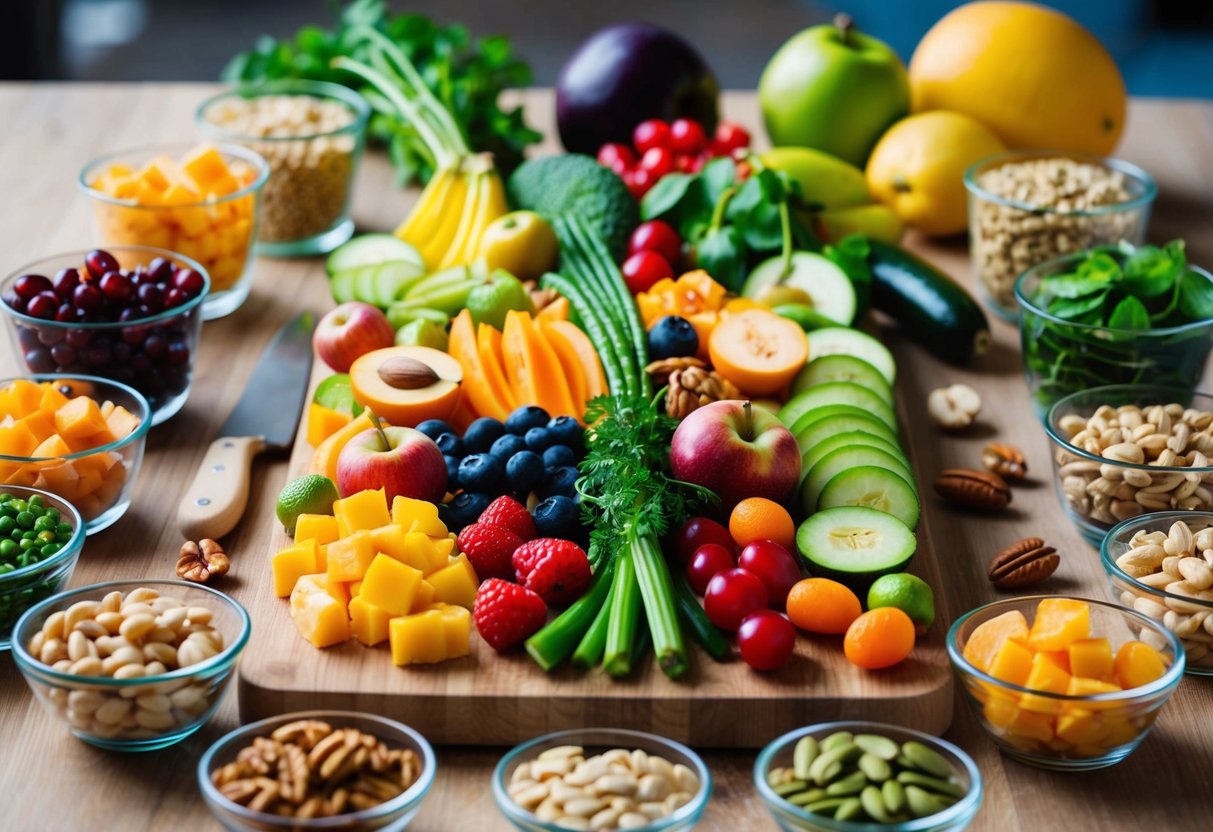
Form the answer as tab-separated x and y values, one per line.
265	418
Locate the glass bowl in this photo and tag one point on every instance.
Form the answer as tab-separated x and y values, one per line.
1107	726
1063	357
793	818
596	740
1189	618
96	481
1008	236
24	586
117	350
217	231
311	133
194	691
394	814
1098	491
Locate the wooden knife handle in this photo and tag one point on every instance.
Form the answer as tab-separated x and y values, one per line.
216	499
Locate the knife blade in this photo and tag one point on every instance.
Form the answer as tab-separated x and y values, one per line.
266	418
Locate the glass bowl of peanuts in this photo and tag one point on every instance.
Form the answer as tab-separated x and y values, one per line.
1161	565
311	133
1122	451
131	665
345	770
601	778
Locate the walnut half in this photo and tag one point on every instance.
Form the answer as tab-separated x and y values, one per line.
201	561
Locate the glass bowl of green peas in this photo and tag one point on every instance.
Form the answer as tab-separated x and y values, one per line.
41	536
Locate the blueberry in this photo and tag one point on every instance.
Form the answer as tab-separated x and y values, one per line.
481	434
566	431
507	446
525	418
452	471
672	337
433	428
450	444
557	456
557	516
481	472
464	510
559	481
523	472
538	439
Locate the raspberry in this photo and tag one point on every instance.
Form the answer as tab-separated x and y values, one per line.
510	514
507	614
558	570
489	548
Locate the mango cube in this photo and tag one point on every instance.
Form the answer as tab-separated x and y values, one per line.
1080	726
389	540
1137	664
420	552
423	598
349	557
986	639
368	623
1092	658
1059	623
417	516
79	418
354	587
364	510
1058	658
1047	677
1030	725
1012	663
434	635
457	627
444	547
323	422
321	528
41	423
320	617
20	397
1083	686
292	563
339	590
455	583
390	585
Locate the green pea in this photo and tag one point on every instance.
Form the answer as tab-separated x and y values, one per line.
44	524
30	535
8	549
6	497
7	524
46	537
26	545
64	531
50	549
5	568
19	506
26	519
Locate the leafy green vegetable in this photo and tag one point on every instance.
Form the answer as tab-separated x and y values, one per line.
1130	313
1196	296
466	75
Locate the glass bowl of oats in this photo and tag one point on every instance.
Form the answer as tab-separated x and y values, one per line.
1030	206
312	134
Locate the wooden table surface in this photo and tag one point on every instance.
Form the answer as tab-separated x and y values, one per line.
53	782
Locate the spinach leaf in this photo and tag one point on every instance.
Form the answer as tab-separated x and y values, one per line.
717	176
1072	308
1074	285
1150	271
721	254
664	197
1196	296
1130	313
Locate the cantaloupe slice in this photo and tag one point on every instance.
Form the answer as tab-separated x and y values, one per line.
587	356
557	310
570	364
462	345
758	351
532	368
407	385
1059	623
987	637
488	345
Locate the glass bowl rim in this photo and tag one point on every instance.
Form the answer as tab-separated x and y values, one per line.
1109	389
410	796
150	151
145	423
286	86
1169	679
71	549
1005	157
31	666
1110	566
163	314
970	801
683	813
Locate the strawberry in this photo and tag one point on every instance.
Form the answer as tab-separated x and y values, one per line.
509	513
507	614
558	570
489	548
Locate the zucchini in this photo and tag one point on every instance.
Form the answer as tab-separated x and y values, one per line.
931	308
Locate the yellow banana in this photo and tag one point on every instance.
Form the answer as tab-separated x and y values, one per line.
427	211
476	195
492	205
450	215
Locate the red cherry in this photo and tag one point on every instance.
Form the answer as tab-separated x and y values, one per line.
659	237
639	181
709	559
774	566
643	269
731	595
729	137
614	155
687	136
658	161
766	640
651	133
694	533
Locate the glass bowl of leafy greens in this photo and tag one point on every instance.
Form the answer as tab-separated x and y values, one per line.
1114	315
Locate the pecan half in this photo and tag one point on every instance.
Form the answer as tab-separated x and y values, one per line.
201	561
1006	461
979	490
1023	564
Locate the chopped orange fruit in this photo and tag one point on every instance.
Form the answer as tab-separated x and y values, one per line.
1059	623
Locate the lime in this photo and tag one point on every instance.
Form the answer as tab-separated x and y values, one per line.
909	593
336	393
309	494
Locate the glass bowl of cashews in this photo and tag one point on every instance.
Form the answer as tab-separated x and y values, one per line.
131	665
1122	451
1161	565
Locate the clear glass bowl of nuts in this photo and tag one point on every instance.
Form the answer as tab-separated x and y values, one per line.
1161	565
311	133
131	665
602	778
1029	206
347	770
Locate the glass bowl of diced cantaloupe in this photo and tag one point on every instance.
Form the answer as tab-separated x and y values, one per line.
78	437
1064	683
198	200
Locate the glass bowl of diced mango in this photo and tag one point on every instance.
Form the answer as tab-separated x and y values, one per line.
198	200
1064	683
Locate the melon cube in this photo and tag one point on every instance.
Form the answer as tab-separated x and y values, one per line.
1080	726
321	618
1058	658
389	540
985	640
368	623
321	528
179	194
60	479
121	422
418	639
455	583
349	557
417	516
41	423
25	476
1031	725
390	585
1137	664
20	398
1012	663
1091	657
79	418
362	511
1047	677
323	422
206	166
292	563
52	448
457	626
52	399
17	440
1084	686
1059	623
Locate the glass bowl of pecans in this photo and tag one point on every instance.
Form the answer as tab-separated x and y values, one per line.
1122	451
317	770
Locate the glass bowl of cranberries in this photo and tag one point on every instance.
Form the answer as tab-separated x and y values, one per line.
128	313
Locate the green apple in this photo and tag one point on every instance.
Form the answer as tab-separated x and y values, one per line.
489	302
833	89
422	333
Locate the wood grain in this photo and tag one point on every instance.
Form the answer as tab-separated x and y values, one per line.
48	131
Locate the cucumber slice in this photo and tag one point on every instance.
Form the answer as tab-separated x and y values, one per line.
835	462
842	418
841	340
342	285
839	392
840	367
820	278
868	485
855	544
849	439
370	249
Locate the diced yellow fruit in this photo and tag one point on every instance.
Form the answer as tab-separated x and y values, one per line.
987	637
349	557
1046	677
79	418
321	528
457	626
1059	658
390	585
322	556
1000	710
364	510
455	583
417	516
1080	726
53	399
420	553
1084	686
207	167
1011	663
1059	623
418	639
424	597
1031	725
292	563
444	547
339	590
368	623
323	422
389	540
1122	730
17	439
20	398
354	587
320	618
41	423
1092	658
1137	664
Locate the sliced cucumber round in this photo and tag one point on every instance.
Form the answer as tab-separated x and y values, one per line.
840	367
838	392
841	340
855	544
878	488
849	439
809	433
835	462
371	249
827	285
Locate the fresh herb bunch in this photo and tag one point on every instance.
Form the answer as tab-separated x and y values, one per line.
467	75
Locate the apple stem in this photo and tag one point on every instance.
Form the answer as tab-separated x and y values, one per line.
748	421
378	424
846	25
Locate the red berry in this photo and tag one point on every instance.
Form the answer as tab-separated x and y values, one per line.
557	570
708	560
697	531
614	155
489	548
766	640
731	596
638	181
507	614
29	286
659	237
730	136
687	136
774	566
510	514
651	133
643	269
657	161
97	263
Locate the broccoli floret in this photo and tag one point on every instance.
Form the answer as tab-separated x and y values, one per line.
577	184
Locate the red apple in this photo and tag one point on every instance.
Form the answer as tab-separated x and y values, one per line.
411	465
350	331
737	451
